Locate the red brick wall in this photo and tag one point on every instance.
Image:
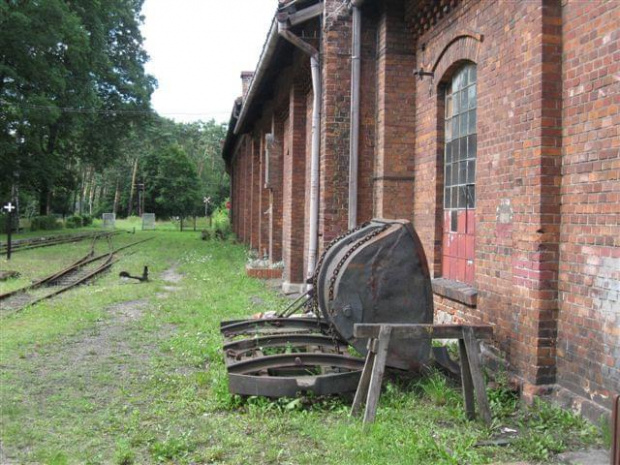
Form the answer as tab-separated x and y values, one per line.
518	64
245	153
263	208
368	109
308	149
255	193
547	254
336	108
276	175
589	317
396	132
294	169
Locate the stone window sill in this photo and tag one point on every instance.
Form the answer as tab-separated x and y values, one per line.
454	290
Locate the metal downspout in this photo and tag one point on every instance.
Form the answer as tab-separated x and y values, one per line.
316	140
355	110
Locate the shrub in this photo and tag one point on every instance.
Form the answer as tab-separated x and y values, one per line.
87	220
45	223
74	221
221	222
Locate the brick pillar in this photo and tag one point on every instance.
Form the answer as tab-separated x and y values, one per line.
394	166
239	213
246	190
264	204
255	193
368	112
294	162
335	123
233	199
275	192
535	258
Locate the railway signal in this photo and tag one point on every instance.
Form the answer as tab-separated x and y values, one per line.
10	208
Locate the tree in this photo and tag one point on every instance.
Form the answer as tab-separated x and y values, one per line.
174	188
71	79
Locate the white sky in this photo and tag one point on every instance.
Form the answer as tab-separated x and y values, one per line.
198	49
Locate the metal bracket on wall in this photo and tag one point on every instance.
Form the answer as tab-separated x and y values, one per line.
421	73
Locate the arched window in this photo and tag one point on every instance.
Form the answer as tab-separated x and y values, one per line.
461	145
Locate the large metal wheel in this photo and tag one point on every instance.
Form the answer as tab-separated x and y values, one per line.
378	274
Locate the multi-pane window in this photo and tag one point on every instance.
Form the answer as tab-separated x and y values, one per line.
461	140
461	145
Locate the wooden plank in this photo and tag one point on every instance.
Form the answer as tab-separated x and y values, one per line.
615	431
467	382
362	387
305	14
471	344
377	374
414	331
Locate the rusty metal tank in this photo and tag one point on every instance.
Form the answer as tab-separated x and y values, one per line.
377	273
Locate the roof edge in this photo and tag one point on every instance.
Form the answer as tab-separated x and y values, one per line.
261	68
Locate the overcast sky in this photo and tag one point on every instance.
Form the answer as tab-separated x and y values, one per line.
198	49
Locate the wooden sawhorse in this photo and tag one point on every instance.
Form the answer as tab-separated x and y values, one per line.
379	335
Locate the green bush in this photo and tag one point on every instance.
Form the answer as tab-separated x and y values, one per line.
45	223
73	222
87	220
221	222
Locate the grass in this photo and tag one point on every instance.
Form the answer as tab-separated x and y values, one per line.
130	373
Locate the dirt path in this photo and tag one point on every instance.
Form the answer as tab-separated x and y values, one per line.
87	374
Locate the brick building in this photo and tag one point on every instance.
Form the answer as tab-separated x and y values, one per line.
492	125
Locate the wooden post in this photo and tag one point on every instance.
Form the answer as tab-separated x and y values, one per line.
467	382
362	389
376	378
474	389
615	431
476	373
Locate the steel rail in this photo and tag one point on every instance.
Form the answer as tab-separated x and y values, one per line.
283	340
272	325
52	277
34	243
244	380
300	360
88	258
107	264
77	265
235	350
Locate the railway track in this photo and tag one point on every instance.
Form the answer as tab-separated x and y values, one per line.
36	242
81	271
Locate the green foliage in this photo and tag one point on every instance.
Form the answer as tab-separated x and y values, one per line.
221	221
174	186
173	447
77	221
142	366
71	81
503	401
435	387
73	222
124	455
45	223
4	219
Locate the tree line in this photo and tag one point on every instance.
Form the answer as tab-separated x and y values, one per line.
77	133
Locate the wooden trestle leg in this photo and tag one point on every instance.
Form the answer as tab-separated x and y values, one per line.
369	387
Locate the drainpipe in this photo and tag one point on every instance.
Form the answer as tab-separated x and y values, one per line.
316	140
355	110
